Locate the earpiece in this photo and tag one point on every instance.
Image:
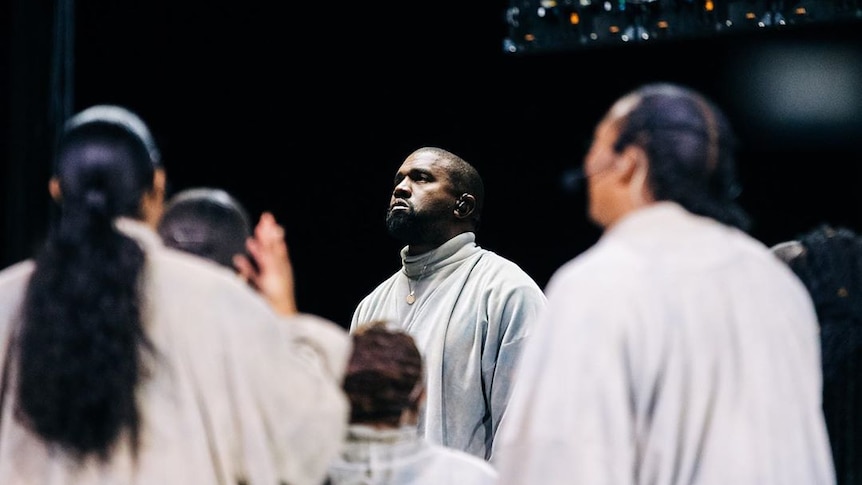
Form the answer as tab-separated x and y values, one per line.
461	206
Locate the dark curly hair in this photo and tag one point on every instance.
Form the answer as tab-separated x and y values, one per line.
384	375
828	260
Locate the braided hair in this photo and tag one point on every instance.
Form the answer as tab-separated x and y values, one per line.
691	150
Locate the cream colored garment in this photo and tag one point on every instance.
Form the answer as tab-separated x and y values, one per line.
327	343
676	351
399	456
234	397
473	312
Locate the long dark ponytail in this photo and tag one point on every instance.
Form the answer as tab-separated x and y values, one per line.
81	345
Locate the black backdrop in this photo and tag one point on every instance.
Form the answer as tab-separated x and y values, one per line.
307	110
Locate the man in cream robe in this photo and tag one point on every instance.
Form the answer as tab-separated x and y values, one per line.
678	350
469	309
470	320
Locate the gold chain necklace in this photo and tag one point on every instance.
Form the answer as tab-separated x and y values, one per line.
411	297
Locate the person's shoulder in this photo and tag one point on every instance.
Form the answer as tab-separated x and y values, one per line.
600	266
13	284
318	328
495	271
182	264
324	339
16	272
195	282
751	252
492	259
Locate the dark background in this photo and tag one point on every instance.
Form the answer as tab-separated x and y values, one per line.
307	111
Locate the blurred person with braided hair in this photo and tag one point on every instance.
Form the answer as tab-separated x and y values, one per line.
828	260
677	350
386	387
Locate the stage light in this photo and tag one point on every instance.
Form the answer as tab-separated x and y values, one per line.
542	25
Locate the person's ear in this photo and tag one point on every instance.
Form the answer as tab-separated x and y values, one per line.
417	395
632	167
628	163
54	189
153	203
465	205
160	182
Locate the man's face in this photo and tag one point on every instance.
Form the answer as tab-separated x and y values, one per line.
607	171
597	165
421	204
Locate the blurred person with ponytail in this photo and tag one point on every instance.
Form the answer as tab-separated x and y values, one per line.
124	361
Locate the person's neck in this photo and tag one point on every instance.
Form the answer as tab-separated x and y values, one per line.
422	247
624	208
409	417
414	249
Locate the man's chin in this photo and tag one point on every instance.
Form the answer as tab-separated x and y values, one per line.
400	226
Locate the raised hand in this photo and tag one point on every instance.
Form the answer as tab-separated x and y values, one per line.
271	272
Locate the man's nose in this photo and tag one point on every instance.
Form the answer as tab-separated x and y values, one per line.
402	189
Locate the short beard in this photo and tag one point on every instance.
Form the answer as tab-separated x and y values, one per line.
406	226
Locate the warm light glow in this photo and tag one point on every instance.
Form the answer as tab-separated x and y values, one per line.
561	24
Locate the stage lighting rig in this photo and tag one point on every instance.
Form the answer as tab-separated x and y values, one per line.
554	25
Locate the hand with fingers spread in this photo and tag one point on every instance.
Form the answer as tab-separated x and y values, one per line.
268	269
